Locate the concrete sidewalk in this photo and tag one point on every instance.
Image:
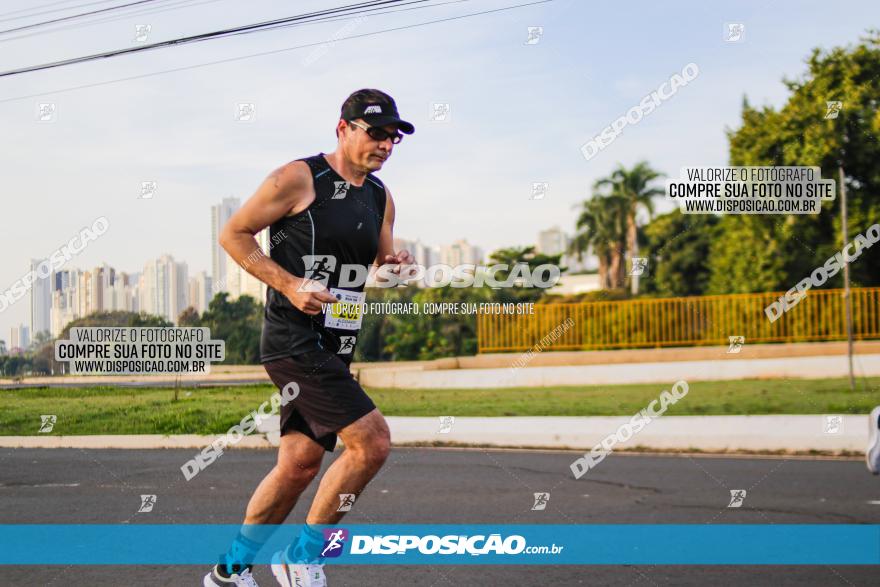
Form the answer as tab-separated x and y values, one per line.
615	374
801	434
708	363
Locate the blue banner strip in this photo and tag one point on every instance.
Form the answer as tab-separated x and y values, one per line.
413	544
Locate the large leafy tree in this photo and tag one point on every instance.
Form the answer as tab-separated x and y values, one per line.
601	227
522	255
767	253
43	349
678	247
189	317
633	187
527	255
237	322
115	318
421	336
15	365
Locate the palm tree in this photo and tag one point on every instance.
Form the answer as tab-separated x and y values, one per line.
631	185
601	226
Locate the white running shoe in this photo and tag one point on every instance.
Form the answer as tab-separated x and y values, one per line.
243	579
872	455
291	575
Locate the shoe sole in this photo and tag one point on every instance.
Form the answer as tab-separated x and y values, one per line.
279	571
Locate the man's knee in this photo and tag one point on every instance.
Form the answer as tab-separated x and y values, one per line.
368	440
381	450
298	473
373	453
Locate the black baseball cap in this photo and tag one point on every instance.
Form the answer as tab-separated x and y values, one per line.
376	108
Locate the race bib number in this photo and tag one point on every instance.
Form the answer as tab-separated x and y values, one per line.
347	312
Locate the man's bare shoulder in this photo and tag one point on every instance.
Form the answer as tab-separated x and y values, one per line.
292	177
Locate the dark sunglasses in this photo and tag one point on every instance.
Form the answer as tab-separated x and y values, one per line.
379	134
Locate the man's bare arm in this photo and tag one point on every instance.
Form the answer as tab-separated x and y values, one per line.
286	189
386	234
385	254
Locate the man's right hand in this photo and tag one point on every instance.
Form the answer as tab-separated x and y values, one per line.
308	295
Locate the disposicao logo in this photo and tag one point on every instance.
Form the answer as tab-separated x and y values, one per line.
334	541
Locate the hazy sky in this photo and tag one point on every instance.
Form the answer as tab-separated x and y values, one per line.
519	112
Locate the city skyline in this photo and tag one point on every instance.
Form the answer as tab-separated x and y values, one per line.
164	287
151	140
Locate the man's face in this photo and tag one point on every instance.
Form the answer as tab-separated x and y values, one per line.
364	151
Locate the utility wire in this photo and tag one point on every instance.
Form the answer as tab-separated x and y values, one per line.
75	16
20	10
138	12
275	51
193	39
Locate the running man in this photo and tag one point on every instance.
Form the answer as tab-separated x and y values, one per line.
334	212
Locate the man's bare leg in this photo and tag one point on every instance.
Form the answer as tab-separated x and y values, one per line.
299	461
367	444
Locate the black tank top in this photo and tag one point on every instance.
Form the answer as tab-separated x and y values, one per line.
341	227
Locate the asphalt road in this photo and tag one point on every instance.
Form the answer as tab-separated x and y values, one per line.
448	486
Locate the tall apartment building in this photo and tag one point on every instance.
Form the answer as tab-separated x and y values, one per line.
163	288
461	252
65	299
220	215
19	338
554	241
41	299
422	253
239	282
200	291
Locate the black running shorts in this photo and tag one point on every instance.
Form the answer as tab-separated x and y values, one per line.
329	397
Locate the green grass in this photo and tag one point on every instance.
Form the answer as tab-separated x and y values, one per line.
112	410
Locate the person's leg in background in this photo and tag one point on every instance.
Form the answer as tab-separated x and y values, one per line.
872	453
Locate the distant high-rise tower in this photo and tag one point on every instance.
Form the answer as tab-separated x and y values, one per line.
164	288
460	253
65	299
200	293
41	298
220	215
19	338
238	281
552	242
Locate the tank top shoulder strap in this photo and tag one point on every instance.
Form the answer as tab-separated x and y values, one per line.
320	168
317	164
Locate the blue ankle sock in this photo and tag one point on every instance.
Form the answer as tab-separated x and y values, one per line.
306	548
241	554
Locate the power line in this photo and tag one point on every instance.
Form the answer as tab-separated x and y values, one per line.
193	38
370	11
75	16
20	10
264	53
193	3
152	10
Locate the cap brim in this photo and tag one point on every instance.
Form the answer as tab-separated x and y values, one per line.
380	120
